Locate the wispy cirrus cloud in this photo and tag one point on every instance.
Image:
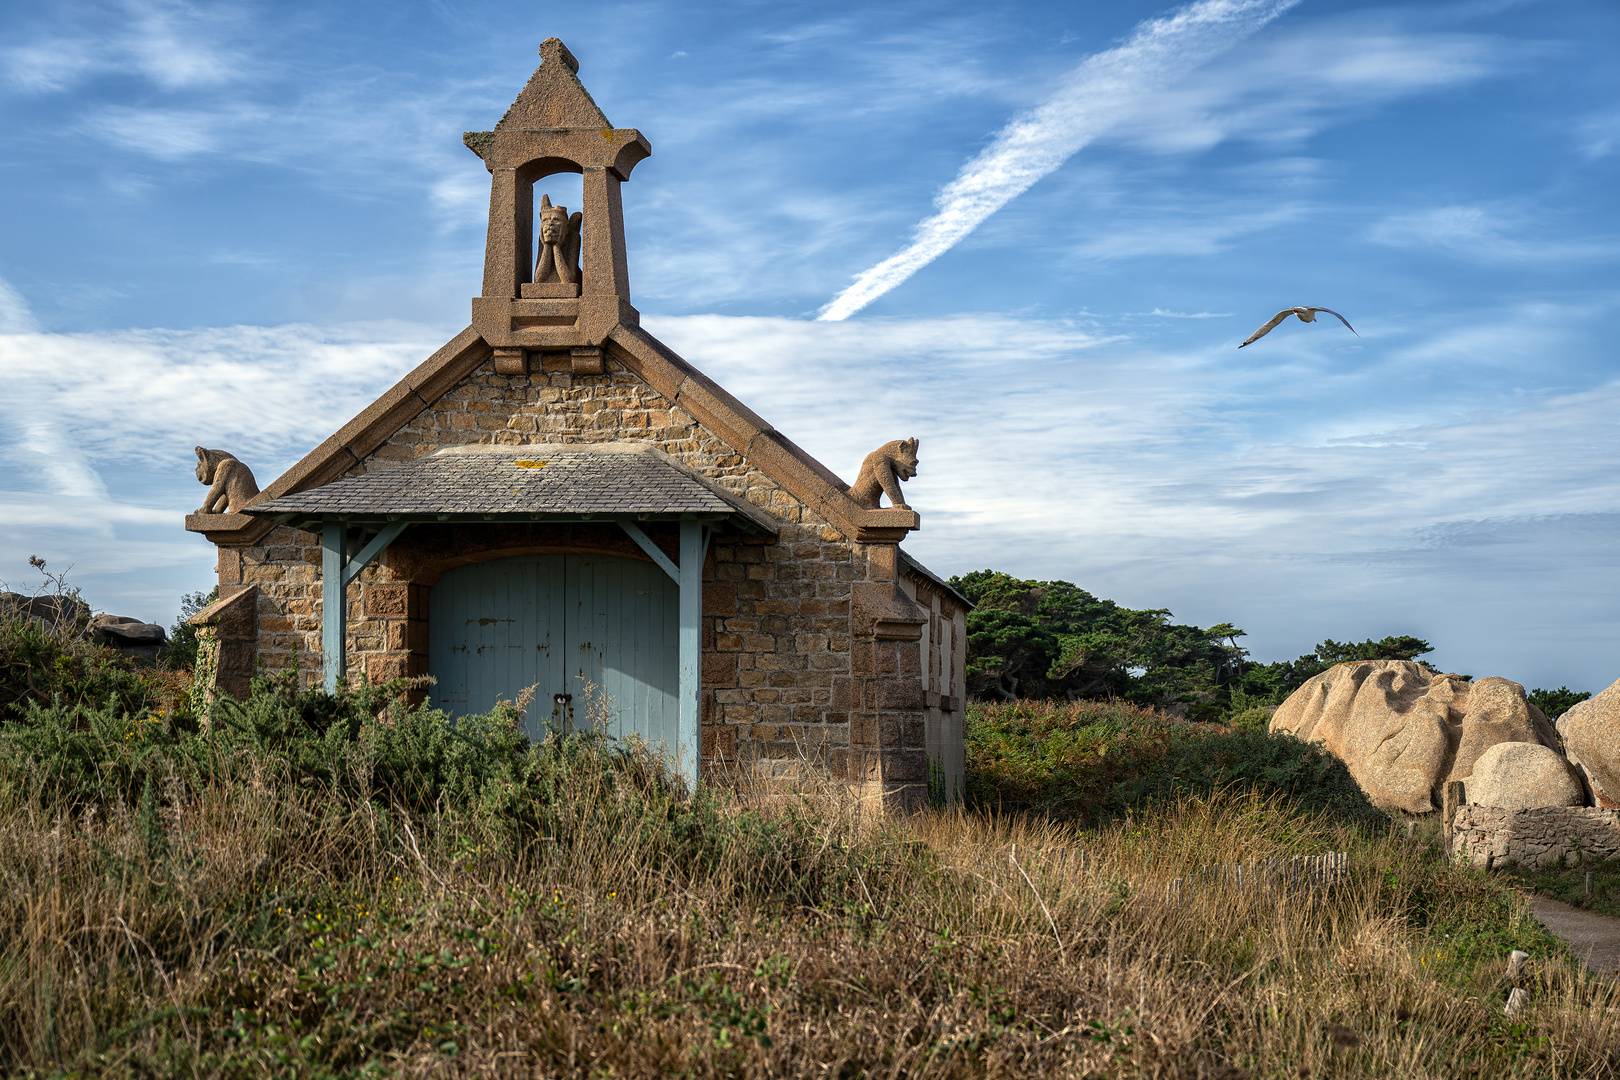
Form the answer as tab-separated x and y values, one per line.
1494	232
175	45
1327	70
15	315
165	134
1598	134
271	391
1102	91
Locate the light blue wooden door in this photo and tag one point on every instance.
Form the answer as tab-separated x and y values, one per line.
494	629
600	629
623	637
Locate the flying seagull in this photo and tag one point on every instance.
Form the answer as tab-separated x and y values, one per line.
1306	314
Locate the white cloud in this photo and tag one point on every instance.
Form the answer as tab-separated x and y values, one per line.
176	46
149	396
49	66
1302	499
1103	90
1598	135
1497	233
15	316
166	134
1298	81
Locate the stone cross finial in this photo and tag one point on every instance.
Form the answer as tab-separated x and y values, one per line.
559	244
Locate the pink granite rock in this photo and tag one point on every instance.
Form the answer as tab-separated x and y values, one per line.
1519	775
1591	731
1405	730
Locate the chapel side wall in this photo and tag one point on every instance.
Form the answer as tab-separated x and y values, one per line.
944	664
783	677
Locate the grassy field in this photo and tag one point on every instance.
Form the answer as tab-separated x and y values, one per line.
308	887
1569	885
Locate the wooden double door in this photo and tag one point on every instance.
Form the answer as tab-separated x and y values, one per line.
597	636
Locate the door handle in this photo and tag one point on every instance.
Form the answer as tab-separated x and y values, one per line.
562	713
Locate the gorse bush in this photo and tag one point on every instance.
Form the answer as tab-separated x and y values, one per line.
1091	761
304	884
180	651
364	746
44	665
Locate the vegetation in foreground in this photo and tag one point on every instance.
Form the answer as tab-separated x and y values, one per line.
1093	761
316	886
1569	884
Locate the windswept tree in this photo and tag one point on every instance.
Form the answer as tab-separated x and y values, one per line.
1051	639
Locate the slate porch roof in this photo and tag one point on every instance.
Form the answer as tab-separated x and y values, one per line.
571	482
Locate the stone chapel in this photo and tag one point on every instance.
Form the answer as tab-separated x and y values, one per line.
555	500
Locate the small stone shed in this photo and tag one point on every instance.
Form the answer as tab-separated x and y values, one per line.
556	500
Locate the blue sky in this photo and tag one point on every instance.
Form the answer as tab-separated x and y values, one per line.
235	224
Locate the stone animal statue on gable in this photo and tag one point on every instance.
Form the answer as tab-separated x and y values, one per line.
882	472
231	483
559	243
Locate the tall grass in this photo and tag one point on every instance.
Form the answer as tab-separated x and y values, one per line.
259	928
305	885
1090	761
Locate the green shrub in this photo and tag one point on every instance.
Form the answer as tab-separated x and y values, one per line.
39	665
1257	718
1097	760
1555	703
363	746
180	651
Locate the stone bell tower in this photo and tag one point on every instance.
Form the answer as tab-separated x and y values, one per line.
554	127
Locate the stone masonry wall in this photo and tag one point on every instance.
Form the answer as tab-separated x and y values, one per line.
1542	836
944	650
783	678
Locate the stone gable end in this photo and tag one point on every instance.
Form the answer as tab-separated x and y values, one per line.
783	679
823	643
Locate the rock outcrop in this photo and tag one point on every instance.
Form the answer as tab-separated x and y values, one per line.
49	609
128	635
69	617
1591	731
1404	730
1520	775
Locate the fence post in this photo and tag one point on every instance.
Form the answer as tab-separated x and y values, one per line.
1456	796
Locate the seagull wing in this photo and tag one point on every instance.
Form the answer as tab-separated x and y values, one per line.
1270	326
1341	318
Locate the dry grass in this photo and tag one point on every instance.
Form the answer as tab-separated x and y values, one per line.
253	929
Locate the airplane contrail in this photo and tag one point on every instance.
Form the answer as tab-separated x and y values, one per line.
1099	93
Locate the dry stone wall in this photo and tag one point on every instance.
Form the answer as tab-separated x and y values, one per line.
1538	837
784	678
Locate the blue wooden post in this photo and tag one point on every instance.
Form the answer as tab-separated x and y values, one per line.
334	613
691	580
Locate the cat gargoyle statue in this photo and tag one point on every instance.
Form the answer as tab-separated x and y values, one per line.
882	472
230	483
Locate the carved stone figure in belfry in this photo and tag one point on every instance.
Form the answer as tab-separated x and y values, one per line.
559	244
536	297
230	483
882	472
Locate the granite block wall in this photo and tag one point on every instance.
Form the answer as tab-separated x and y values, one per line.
785	676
